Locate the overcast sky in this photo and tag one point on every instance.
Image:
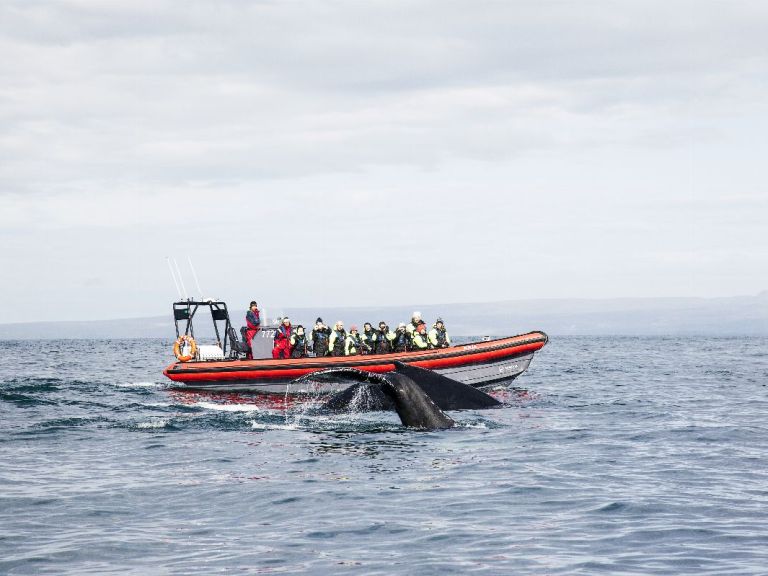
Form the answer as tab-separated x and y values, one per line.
354	153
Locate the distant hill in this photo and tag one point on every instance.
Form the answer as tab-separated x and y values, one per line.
739	315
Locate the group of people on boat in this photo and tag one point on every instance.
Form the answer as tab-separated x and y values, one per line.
293	342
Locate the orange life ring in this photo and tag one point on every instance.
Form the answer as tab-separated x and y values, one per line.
177	347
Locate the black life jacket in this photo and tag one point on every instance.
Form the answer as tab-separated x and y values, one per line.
321	334
401	341
441	337
383	345
369	338
300	347
338	345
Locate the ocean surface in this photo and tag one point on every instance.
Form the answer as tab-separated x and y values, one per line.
611	455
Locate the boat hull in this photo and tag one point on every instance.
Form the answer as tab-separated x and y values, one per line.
477	364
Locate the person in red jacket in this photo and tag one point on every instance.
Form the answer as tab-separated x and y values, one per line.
282	345
253	325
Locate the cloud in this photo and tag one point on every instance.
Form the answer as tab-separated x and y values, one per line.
583	131
238	91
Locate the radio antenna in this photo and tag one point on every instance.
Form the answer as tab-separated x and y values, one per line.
181	280
194	275
173	277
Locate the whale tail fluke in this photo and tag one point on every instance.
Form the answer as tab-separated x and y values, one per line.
447	393
414	406
419	396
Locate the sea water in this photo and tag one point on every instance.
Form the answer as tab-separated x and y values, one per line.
612	455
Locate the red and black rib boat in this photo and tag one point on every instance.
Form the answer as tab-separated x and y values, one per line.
221	368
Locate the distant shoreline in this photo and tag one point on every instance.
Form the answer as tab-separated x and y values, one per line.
734	316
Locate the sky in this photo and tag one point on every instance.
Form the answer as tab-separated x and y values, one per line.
334	153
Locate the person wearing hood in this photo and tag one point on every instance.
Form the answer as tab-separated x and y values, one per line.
281	347
298	343
415	322
337	340
320	335
438	336
353	344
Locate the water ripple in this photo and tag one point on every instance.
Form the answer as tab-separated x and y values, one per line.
614	455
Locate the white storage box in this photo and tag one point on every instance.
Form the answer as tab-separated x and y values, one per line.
209	353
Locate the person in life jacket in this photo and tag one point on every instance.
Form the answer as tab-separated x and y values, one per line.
353	345
415	322
298	343
337	339
384	337
282	345
368	338
419	339
253	325
401	342
320	335
438	336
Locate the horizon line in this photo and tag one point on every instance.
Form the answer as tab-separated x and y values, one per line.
761	294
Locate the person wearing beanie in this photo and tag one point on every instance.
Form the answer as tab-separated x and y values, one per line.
353	344
438	336
320	335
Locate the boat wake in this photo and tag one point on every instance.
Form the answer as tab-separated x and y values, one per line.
369	402
228	407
